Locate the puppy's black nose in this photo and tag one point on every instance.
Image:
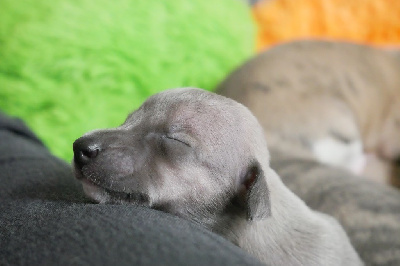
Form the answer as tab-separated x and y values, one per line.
85	150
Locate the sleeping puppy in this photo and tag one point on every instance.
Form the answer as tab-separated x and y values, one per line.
335	102
203	157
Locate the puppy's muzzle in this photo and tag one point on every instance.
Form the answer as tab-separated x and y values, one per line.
85	150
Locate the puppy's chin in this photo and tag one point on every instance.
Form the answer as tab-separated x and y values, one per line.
95	192
101	193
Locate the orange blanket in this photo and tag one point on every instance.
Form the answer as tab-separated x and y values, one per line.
366	21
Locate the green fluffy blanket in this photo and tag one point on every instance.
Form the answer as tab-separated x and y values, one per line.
70	66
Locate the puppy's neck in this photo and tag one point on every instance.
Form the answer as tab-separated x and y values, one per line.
292	235
284	237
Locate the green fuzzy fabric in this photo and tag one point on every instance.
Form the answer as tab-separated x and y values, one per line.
71	66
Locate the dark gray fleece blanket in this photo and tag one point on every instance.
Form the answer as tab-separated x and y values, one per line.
46	220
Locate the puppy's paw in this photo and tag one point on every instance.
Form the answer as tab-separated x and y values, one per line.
347	155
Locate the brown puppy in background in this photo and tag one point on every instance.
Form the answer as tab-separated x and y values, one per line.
335	102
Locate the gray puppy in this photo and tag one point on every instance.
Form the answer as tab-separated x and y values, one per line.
203	157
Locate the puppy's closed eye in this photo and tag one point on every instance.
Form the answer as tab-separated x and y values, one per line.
177	139
174	146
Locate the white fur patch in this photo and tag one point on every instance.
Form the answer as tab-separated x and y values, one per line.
337	153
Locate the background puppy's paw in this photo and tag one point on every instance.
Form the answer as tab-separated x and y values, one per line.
348	155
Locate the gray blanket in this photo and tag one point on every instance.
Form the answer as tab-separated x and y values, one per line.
46	220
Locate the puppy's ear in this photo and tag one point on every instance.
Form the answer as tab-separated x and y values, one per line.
254	193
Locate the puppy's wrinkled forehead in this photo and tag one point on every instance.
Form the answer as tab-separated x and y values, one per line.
189	110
